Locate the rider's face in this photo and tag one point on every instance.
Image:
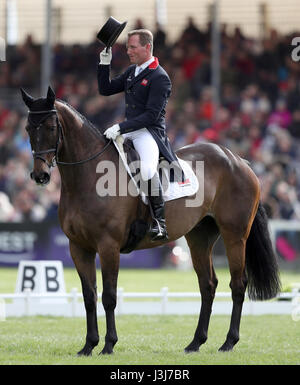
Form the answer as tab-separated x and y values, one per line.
138	54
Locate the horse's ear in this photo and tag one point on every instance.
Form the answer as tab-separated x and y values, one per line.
28	100
51	95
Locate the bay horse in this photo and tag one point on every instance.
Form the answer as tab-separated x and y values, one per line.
231	208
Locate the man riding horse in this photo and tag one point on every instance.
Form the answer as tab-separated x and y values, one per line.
59	134
147	88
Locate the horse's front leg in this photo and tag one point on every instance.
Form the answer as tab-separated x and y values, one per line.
110	258
86	268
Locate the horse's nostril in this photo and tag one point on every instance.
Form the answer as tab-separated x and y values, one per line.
32	175
46	177
43	178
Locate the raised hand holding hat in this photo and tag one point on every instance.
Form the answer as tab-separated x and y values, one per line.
106	56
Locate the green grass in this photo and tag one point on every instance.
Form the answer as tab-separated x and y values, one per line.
150	340
143	280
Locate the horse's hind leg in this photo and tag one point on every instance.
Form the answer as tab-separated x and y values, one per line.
86	268
201	240
235	250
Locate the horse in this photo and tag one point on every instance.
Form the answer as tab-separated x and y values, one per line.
231	208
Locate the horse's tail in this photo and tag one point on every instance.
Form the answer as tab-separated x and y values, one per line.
261	262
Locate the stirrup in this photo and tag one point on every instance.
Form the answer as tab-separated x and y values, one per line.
161	234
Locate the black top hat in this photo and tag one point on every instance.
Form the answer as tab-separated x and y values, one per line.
111	30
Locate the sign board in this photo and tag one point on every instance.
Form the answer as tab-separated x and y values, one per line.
41	277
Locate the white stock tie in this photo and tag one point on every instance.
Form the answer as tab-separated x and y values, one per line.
139	70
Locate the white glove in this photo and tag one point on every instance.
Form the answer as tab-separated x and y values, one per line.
105	57
112	132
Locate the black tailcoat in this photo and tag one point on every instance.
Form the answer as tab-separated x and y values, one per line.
146	97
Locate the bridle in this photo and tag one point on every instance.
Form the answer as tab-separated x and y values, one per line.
54	160
38	154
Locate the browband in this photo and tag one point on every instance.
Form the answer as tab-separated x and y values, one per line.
41	112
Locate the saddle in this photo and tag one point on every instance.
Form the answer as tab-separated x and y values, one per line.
177	181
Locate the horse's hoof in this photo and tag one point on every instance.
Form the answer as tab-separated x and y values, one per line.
106	351
192	348
84	352
188	350
226	347
229	344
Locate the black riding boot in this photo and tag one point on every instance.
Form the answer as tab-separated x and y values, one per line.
158	230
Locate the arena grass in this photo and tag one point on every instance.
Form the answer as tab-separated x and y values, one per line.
145	280
150	340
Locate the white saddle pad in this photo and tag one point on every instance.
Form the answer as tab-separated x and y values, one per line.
172	190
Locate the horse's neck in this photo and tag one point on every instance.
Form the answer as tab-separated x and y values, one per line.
78	143
78	139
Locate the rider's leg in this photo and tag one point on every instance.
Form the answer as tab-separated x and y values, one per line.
148	151
158	228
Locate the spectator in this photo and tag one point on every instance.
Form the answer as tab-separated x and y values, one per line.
258	117
281	116
294	126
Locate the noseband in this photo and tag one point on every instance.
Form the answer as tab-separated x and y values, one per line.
54	160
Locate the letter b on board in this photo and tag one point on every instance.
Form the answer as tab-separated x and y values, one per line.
41	277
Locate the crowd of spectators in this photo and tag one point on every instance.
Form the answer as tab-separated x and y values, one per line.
258	116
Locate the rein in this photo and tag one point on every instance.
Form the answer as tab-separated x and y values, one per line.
55	161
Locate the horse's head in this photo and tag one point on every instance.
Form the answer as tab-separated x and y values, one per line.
43	128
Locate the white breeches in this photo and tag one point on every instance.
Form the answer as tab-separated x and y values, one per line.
148	151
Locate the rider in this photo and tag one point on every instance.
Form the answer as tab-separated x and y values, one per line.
147	88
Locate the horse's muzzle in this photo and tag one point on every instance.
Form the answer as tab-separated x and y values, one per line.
42	178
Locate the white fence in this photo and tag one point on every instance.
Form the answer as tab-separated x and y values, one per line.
163	302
